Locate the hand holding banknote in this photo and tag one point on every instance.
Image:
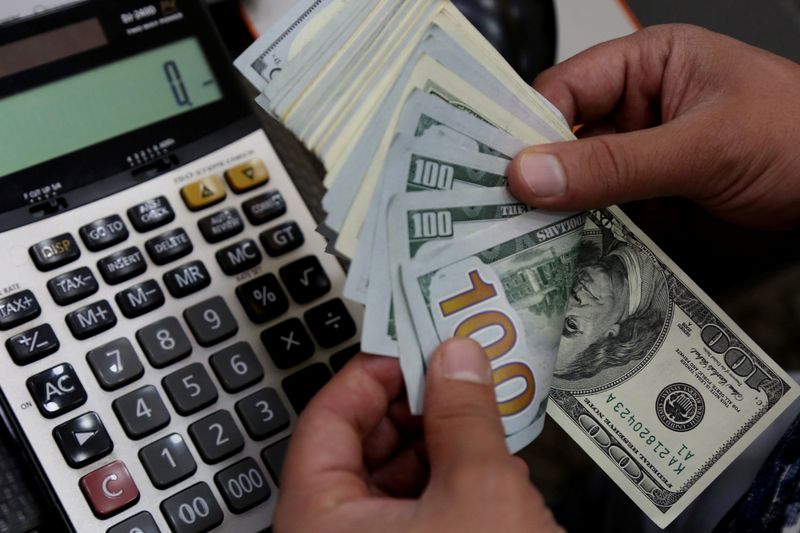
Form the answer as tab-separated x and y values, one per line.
359	462
672	111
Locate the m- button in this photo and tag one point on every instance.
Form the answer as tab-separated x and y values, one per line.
109	489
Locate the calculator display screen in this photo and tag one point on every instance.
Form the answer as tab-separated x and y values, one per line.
75	112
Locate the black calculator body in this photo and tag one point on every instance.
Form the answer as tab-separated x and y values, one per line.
166	309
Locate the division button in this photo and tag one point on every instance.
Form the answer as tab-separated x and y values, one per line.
139	523
193	510
211	321
238	257
115	364
288	343
103	233
72	286
17	309
164	342
264	207
305	279
242	485
55	252
282	239
221	225
83	440
122	266
169	246
246	176
91	320
190	389
33	344
140	299
263	414
167	461
203	193
301	386
263	299
237	367
330	323
187	279
216	437
57	390
141	412
109	489
273	457
151	214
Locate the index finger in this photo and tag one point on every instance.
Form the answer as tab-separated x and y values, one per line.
324	464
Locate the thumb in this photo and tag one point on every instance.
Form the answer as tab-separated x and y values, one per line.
462	423
675	159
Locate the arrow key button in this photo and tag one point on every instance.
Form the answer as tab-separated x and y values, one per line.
83	440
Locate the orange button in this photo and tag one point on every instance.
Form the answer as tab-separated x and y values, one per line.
203	193
247	176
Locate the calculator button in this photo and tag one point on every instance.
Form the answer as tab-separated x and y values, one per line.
246	176
33	344
273	457
91	320
187	279
169	246
340	358
264	207
109	489
164	342
216	437
263	414
140	299
122	266
103	233
193	510
17	309
56	390
141	412
238	257
203	193
115	364
55	252
151	214
139	523
237	367
211	321
301	386
83	440
190	389
221	225
263	299
242	485
330	323
305	279
288	343
72	286
282	239
167	461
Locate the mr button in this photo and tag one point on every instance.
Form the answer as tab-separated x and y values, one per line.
109	489
56	390
55	252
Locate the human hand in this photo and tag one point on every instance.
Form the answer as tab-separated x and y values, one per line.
672	111
359	462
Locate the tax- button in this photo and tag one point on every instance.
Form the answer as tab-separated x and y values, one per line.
54	252
203	193
109	489
247	176
83	440
72	286
56	390
17	309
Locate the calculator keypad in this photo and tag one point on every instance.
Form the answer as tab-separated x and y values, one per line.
288	343
282	239
237	367
169	246
221	225
17	309
242	485
151	214
238	257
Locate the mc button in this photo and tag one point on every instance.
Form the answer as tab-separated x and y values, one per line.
56	390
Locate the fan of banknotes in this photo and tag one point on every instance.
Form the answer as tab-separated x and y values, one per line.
416	117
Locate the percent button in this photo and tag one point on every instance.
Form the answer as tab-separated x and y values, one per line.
263	298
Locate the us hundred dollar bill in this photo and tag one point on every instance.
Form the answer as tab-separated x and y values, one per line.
652	379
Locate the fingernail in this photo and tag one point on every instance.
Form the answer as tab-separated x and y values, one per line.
464	360
543	174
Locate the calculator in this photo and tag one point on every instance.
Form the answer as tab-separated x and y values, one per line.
166	307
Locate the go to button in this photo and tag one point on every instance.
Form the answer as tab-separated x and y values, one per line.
109	489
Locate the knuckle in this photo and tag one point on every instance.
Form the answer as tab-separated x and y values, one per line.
611	166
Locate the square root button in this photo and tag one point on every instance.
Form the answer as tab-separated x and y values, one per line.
109	489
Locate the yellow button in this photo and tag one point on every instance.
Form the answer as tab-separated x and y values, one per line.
246	176
203	193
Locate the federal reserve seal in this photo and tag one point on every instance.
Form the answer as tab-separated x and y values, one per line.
680	407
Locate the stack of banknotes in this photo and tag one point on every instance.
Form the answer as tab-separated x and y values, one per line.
416	117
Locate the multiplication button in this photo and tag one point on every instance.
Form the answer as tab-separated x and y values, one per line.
33	344
17	309
54	252
103	233
288	343
151	214
91	320
72	286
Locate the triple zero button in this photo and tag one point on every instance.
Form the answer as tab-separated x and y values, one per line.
239	257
